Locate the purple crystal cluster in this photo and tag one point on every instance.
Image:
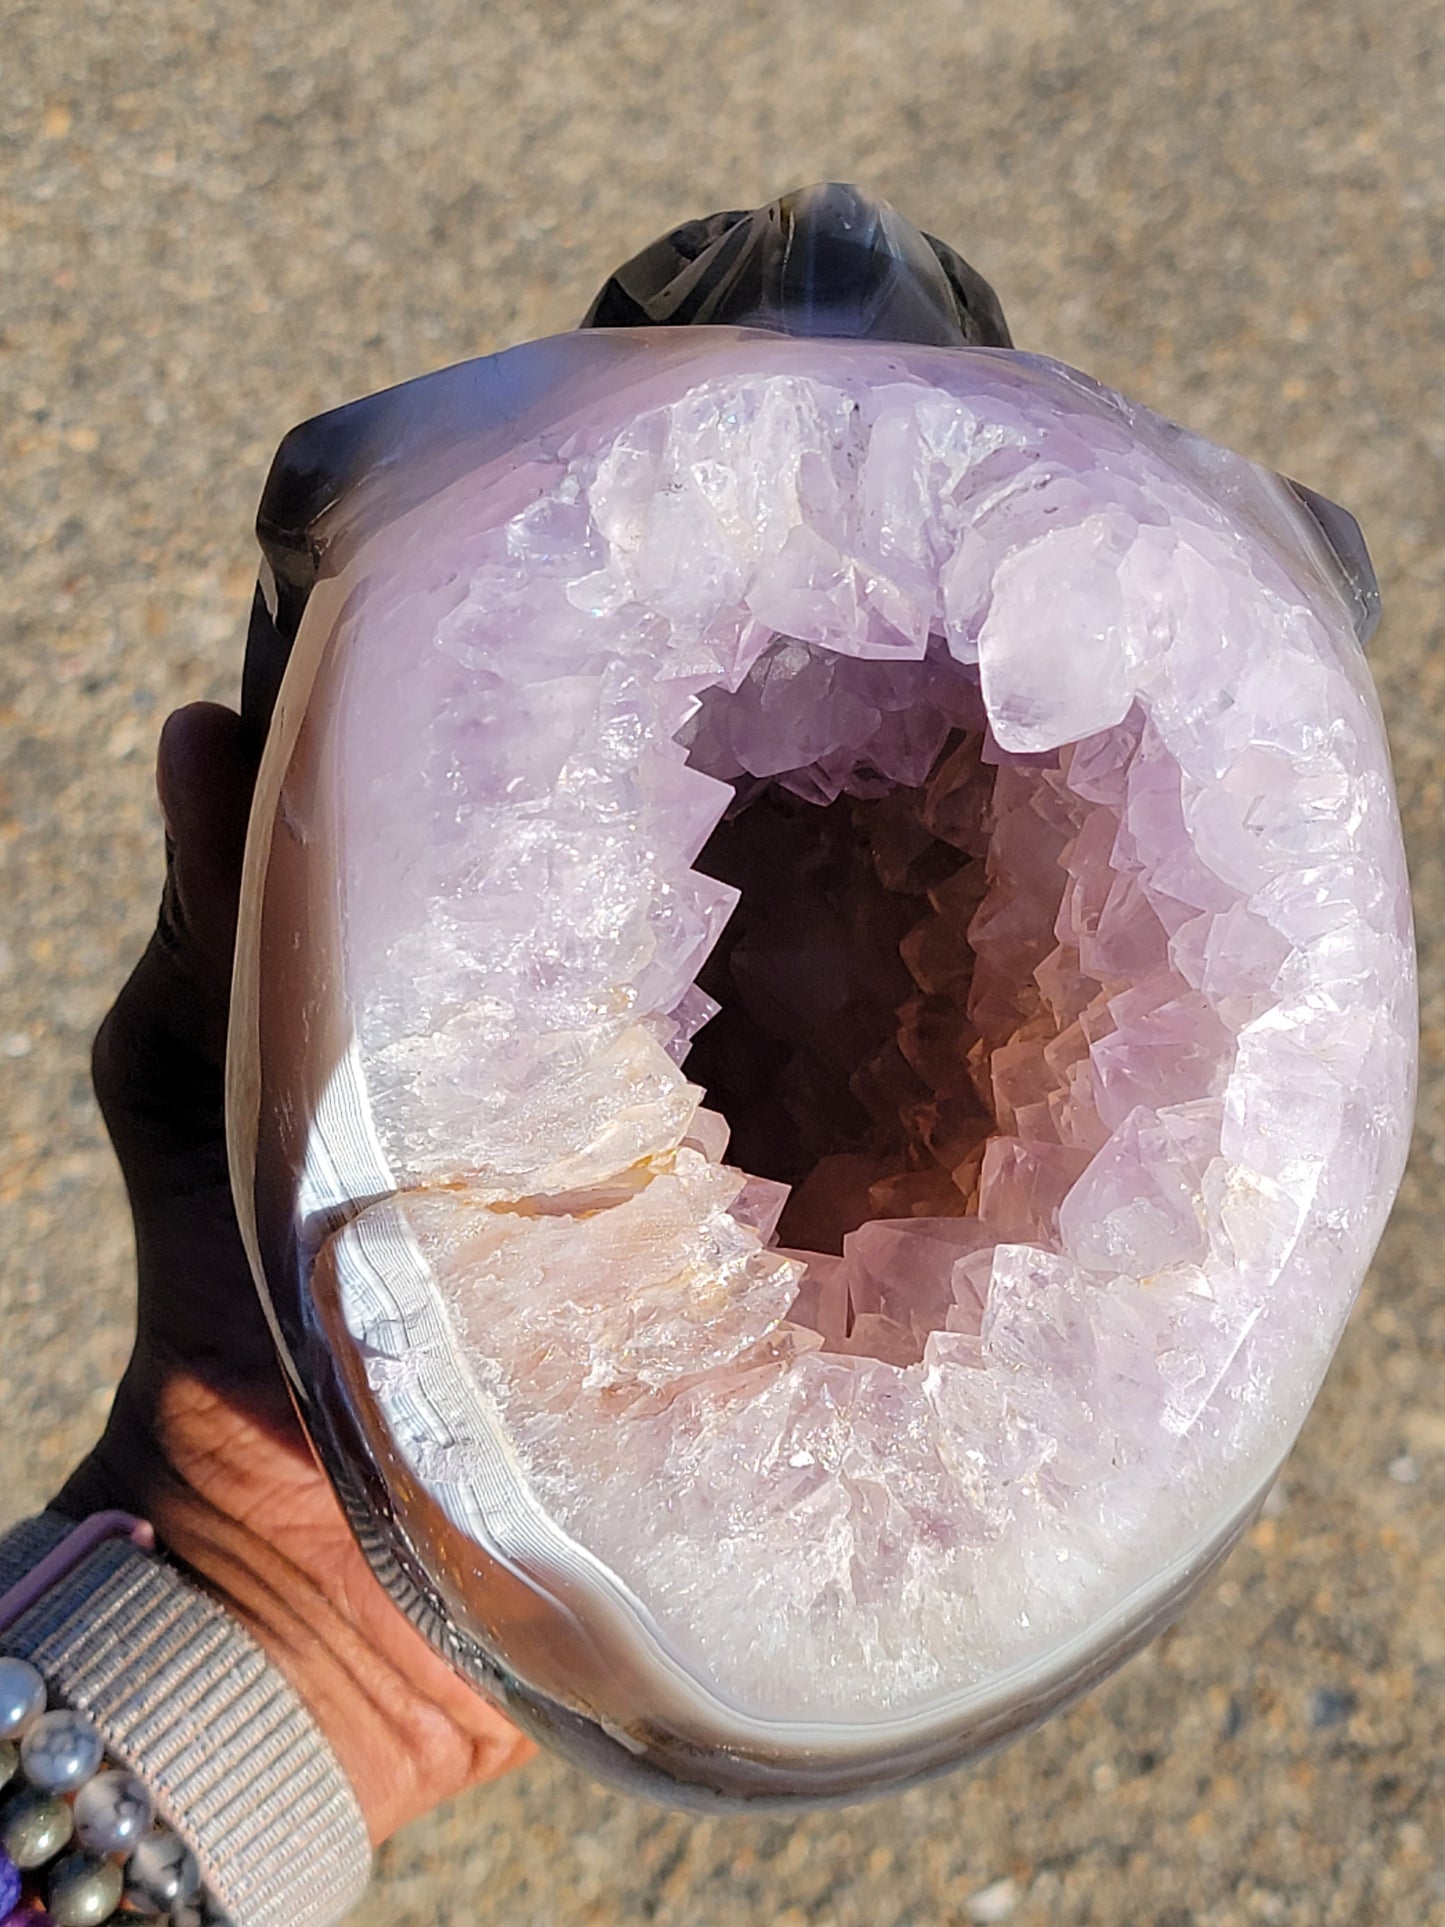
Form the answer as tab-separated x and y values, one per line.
962	792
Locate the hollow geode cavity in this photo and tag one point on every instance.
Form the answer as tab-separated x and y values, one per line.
963	787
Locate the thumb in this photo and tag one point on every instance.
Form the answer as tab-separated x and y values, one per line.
159	1058
205	774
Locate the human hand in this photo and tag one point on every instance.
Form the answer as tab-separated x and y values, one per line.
202	1438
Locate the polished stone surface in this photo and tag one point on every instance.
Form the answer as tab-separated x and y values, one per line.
217	226
22	1697
61	1751
839	589
34	1826
83	1890
112	1812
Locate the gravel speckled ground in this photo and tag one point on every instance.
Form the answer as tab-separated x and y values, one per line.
218	219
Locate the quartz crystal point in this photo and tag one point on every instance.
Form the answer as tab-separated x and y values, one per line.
824	1025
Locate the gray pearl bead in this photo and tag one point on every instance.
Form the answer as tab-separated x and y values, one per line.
34	1826
22	1696
112	1813
163	1871
83	1891
61	1751
9	1761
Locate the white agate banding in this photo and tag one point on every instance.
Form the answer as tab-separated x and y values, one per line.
1159	1000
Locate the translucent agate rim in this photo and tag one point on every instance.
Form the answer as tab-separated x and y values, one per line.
343	1167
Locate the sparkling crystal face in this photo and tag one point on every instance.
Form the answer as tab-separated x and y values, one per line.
825	1033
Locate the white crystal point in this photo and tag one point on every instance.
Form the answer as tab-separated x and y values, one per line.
825	1032
1066	587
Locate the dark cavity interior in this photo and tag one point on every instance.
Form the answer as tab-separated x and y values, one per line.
846	1057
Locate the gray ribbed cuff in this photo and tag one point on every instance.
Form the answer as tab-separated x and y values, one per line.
186	1698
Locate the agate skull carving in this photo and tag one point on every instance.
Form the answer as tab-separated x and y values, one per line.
824	1023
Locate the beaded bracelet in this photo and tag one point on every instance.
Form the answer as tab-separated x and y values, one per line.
79	1839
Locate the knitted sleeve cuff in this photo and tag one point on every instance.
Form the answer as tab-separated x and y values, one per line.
185	1697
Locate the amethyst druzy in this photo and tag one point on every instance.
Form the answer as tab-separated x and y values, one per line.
826	1017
